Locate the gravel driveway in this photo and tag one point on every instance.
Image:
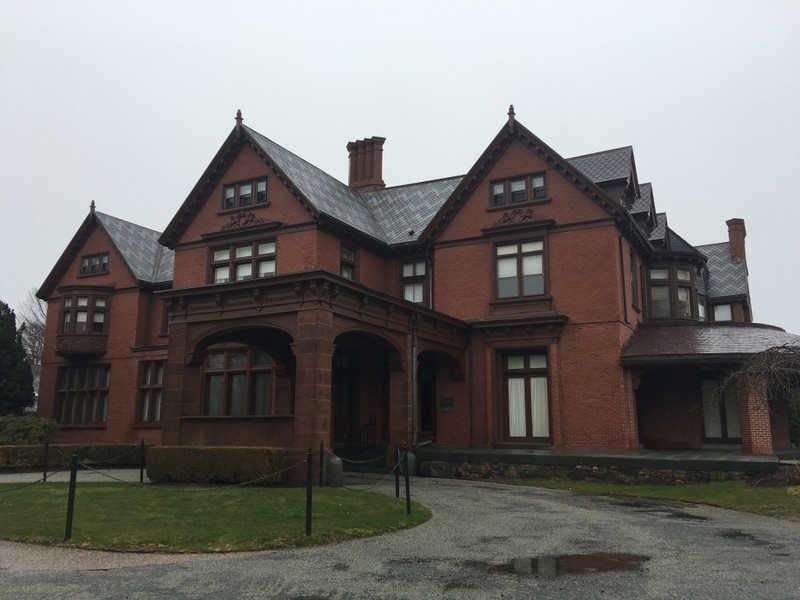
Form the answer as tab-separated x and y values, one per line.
484	541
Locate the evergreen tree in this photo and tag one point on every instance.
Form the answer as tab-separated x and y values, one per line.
16	382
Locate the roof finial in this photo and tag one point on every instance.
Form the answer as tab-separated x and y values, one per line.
91	207
511	116
239	120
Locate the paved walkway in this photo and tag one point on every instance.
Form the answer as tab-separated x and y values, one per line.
484	541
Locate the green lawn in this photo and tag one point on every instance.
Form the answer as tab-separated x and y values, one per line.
782	502
159	519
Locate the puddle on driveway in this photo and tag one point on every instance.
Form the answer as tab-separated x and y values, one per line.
571	564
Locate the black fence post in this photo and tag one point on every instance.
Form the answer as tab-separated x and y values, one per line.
321	462
73	475
408	485
142	461
44	469
397	470
309	470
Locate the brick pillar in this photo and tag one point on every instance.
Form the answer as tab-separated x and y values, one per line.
754	420
631	419
313	351
400	413
174	386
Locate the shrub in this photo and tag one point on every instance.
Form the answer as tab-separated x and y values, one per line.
59	456
213	464
18	431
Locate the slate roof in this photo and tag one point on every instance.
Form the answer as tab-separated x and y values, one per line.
405	211
325	193
645	199
660	230
702	342
607	165
148	260
727	276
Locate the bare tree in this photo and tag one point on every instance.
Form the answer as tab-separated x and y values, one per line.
778	370
33	314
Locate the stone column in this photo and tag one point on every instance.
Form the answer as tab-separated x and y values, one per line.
313	351
754	420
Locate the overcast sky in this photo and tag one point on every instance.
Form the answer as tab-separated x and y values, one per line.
127	103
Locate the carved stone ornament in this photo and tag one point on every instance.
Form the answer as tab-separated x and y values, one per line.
516	216
243	219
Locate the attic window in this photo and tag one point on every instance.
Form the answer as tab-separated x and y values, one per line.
245	193
94	264
518	189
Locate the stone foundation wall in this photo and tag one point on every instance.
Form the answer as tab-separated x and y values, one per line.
581	472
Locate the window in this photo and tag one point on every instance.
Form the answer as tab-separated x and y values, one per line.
348	262
519	189
519	269
82	395
720	413
671	292
84	313
244	193
525	376
94	264
701	309
413	277
240	382
151	387
240	262
634	282
722	312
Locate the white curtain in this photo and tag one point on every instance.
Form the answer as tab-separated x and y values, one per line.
539	408
516	407
732	413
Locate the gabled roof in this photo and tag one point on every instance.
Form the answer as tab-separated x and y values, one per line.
607	165
727	276
701	342
644	203
659	232
148	261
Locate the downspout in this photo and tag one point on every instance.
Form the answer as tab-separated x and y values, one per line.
471	392
623	279
414	321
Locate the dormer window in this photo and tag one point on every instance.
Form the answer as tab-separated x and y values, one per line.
244	193
518	189
94	264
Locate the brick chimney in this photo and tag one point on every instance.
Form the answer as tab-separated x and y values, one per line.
736	235
366	164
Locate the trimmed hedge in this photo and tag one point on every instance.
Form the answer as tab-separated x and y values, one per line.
20	431
59	456
214	464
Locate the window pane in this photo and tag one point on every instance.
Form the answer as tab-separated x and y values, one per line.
245	194
539	407
262	393
262	359
684	274
146	373
419	267
159	374
238	398
261	191
659	301
533	246
515	362
659	273
216	361
65	327
215	395
517	419
348	254
244	251
538	361
701	311
505	250
238	359
98	321
156	410
518	192
67	302
408	270
144	415
224	254
266	248
229	195
712	422
537	182
684	306
81	317
498	197
413	292
100	302
266	268
83	301
244	271
722	312
347	271
221	274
